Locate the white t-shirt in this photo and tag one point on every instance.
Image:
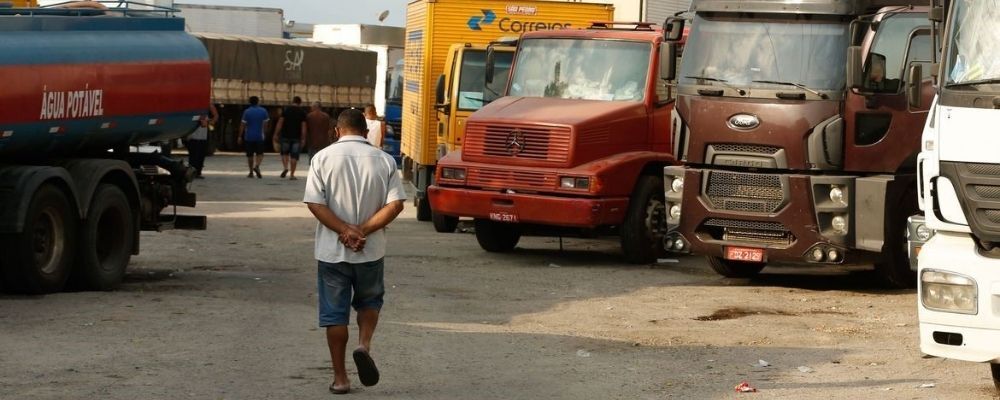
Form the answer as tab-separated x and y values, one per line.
355	180
375	132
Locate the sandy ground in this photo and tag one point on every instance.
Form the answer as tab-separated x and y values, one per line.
229	313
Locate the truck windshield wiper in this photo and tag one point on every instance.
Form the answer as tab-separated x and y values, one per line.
723	82
798	85
975	82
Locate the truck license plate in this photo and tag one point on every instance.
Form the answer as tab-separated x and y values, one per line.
501	216
744	254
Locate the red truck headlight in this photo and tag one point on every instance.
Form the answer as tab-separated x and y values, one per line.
574	182
453	174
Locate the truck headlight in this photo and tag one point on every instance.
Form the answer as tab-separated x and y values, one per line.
675	212
837	195
571	182
948	292
457	174
924	233
839	224
677	185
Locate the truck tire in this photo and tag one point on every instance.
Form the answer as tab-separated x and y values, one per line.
423	209
894	268
735	269
640	241
497	237
106	241
39	259
444	223
995	370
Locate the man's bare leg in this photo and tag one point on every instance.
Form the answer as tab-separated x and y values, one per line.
294	164
258	160
284	161
250	163
367	320
336	340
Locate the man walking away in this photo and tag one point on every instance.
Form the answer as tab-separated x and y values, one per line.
354	191
376	128
252	132
197	143
292	128
319	126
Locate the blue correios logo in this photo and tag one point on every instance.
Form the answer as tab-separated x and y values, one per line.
475	23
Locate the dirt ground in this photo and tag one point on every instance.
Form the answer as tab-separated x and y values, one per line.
230	313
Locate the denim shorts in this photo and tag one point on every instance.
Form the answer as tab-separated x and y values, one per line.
291	147
342	285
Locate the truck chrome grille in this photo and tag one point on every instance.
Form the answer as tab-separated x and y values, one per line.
510	179
743	192
746	148
516	141
773	233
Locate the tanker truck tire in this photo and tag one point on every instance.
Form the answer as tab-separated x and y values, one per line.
735	269
894	268
39	259
106	241
995	370
424	213
497	237
640	241
444	223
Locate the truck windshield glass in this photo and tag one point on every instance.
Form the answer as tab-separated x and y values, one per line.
974	54
590	69
473	93
395	94
757	53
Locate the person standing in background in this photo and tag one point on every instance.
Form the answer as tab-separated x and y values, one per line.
252	132
197	143
292	130
320	128
376	128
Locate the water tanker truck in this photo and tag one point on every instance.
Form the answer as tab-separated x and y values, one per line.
84	86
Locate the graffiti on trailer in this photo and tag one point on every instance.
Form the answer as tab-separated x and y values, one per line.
294	59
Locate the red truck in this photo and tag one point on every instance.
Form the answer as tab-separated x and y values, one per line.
578	144
798	142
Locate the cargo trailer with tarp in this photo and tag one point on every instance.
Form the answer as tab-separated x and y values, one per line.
276	71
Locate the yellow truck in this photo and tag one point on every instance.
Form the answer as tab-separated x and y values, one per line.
446	44
22	3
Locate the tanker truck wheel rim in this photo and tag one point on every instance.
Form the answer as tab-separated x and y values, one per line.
48	247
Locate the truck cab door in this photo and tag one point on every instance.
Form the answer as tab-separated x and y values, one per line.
663	98
445	103
470	90
882	133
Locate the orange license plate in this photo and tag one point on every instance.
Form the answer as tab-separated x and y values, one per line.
748	254
502	216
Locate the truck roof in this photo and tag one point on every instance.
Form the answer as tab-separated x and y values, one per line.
833	7
650	33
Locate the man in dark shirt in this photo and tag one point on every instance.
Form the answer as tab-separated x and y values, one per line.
320	130
292	128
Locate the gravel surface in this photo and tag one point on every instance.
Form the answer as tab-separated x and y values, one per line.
229	313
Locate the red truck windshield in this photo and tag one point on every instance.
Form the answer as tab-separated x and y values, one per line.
588	69
743	52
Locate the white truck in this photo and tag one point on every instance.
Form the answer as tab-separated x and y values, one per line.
957	239
231	20
387	41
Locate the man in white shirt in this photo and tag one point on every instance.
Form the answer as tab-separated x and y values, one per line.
354	191
376	128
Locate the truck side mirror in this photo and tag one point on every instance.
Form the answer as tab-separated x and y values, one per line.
855	78
491	61
668	61
914	86
439	91
673	29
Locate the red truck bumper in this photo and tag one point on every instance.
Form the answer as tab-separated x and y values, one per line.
528	208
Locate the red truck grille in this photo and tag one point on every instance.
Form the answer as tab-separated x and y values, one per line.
507	179
550	144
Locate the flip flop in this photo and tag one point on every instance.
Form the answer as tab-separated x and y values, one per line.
367	371
334	390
